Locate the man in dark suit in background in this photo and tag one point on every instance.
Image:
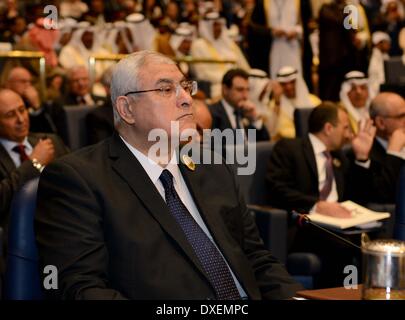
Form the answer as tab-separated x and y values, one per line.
79	89
22	154
234	110
312	174
131	233
388	152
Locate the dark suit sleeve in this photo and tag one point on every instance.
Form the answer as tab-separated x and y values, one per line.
10	184
282	182
69	232
272	278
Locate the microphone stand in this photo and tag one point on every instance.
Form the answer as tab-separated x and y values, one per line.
303	219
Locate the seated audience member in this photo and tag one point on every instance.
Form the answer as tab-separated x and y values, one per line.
177	45
312	174
293	95
142	31
79	90
376	73
85	41
388	153
260	89
215	43
23	154
73	8
144	227
44	116
100	121
235	110
355	98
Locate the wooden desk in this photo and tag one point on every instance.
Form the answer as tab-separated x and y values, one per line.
339	293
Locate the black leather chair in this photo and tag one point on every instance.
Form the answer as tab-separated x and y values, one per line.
22	278
272	222
399	224
75	125
301	117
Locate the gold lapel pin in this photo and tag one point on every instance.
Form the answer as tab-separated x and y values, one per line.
336	163
188	162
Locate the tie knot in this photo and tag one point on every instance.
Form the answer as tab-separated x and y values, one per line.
327	154
19	148
167	179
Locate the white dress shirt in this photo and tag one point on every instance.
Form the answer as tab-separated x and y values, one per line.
15	156
319	147
154	171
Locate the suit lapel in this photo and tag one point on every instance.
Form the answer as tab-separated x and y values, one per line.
310	157
226	122
338	173
124	162
6	161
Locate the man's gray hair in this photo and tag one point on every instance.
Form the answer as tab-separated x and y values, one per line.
125	75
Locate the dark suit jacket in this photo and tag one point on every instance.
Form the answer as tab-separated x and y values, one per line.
221	121
293	177
100	123
12	178
111	235
385	170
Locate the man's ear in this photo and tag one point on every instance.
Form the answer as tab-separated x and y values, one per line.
125	109
379	122
327	128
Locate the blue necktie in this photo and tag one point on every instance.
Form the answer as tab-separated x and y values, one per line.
209	256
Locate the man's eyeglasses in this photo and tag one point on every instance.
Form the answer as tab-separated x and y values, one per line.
168	89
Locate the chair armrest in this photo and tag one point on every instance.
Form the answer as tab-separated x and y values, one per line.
303	263
272	225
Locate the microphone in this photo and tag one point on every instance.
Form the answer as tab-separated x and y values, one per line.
303	220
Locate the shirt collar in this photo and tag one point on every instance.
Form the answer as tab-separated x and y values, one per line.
153	169
9	145
318	146
383	142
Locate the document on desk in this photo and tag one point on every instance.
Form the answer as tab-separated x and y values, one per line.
360	216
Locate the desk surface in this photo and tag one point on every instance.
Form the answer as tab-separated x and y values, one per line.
331	294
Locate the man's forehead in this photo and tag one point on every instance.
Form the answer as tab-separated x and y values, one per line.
159	72
10	102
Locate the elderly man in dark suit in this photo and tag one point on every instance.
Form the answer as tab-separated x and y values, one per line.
234	110
121	222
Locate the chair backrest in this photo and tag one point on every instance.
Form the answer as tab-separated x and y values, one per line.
301	117
253	186
22	280
399	224
75	129
394	70
258	193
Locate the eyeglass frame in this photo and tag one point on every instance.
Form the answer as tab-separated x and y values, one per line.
193	83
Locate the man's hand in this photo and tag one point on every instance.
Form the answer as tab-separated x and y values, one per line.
332	209
31	95
249	110
278	33
291	35
363	141
397	140
44	151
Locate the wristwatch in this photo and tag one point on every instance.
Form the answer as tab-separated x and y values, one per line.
37	165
